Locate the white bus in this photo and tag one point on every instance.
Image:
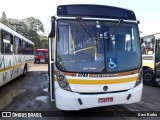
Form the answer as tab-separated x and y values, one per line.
94	57
151	58
16	54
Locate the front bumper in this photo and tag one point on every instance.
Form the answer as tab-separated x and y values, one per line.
66	100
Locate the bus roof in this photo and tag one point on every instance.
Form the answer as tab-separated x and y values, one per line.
4	27
101	11
143	35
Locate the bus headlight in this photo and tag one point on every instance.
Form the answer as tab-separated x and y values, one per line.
63	84
60	77
140	77
62	81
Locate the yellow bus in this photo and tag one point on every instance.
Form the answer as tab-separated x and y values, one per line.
151	58
94	57
16	54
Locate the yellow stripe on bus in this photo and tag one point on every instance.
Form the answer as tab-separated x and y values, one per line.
98	82
12	67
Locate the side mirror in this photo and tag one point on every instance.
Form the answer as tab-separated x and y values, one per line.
52	33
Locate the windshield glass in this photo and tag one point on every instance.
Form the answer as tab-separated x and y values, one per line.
91	47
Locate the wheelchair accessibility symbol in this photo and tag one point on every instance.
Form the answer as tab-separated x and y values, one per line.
112	63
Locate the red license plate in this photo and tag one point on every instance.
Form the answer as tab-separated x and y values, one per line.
102	100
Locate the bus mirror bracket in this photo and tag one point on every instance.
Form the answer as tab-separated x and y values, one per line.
52	33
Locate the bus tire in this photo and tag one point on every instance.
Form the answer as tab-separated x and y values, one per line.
37	61
25	70
149	77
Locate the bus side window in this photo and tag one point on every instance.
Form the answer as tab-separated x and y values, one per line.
2	44
32	49
24	47
2	48
6	43
17	42
27	48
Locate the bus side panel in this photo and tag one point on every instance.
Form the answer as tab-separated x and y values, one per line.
148	60
6	68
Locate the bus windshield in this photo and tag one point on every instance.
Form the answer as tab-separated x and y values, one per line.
97	47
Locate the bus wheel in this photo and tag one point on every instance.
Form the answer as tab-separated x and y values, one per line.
149	77
37	61
25	70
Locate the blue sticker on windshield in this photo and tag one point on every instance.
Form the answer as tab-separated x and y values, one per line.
112	63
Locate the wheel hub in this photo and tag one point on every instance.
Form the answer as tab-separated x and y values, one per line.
148	77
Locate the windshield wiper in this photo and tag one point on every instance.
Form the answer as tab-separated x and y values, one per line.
84	26
109	36
115	28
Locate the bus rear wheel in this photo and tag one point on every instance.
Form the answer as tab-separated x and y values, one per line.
149	77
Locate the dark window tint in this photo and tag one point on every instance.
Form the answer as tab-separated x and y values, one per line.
17	45
6	43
